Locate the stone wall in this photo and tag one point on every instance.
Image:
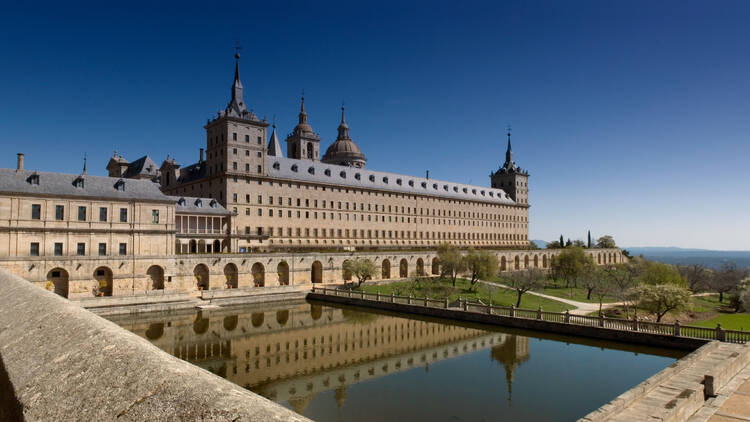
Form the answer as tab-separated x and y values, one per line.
61	362
133	275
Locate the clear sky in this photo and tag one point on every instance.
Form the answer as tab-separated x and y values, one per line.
633	118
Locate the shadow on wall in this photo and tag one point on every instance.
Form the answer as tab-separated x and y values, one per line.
10	408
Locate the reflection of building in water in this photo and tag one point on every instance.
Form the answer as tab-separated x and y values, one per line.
511	354
294	353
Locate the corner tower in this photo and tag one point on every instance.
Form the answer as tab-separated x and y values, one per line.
303	143
235	138
511	178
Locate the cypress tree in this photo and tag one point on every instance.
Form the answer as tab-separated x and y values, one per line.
589	239
562	241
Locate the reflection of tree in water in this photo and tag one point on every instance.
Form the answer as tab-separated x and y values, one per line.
340	396
511	354
358	317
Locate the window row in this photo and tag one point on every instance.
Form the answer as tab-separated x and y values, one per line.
379	234
57	249
36	213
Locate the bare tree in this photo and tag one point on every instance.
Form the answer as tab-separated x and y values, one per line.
622	278
726	279
523	281
696	276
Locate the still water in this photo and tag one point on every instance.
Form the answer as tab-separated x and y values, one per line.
334	363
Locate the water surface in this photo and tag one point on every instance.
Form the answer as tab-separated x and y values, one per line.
333	363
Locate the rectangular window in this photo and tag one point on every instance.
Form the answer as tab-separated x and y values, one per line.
58	249
247	167
102	214
59	212
247	138
234	197
260	169
81	213
260	212
260	199
234	137
234	165
234	151
81	249
123	215
123	248
260	141
36	211
102	249
155	216
34	249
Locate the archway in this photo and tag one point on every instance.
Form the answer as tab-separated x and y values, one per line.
231	276
517	262
599	258
385	272
257	319
282	317
420	267
544	261
230	322
435	266
316	272
316	311
503	264
202	280
403	268
259	274
345	273
155	331
526	261
59	279
283	272
200	324
103	277
155	274
193	247
536	261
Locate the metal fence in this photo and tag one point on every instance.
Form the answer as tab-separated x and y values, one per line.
675	329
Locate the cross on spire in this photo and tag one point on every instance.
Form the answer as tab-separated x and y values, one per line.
237	48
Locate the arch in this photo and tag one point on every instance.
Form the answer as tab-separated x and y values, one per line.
503	264
536	261
216	248
385	272
420	267
517	263
231	276
283	272
316	311
155	331
599	258
310	150
403	268
544	261
259	274
435	266
526	261
230	322
282	317
59	279
200	325
156	276
345	273
316	272
103	277
257	319
202	277
193	248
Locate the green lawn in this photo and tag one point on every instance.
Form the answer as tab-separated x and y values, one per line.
577	294
440	289
739	321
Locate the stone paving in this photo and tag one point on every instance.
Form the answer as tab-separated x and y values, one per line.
731	404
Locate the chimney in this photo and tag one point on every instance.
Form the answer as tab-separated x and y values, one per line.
20	162
201	156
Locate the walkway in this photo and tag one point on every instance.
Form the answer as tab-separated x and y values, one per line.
582	308
731	404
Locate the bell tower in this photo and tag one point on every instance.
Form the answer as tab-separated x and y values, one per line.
303	143
511	178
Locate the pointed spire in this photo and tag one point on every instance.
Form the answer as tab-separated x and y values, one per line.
84	163
343	127
236	106
274	147
302	112
509	151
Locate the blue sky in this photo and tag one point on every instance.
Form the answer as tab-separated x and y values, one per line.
632	117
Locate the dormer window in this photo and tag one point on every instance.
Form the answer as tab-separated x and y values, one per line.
199	203
78	182
492	194
385	180
424	185
357	176
434	186
455	188
33	179
398	182
276	165
482	192
294	168
311	170
411	183
213	204
372	178
466	190
327	172
181	202
343	175
445	188
120	185
474	191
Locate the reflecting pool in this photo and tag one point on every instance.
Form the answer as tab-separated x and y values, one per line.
333	363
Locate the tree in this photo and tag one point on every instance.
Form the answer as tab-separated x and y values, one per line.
568	243
606	242
726	279
562	241
525	280
658	273
362	268
480	264
696	276
590	277
569	264
578	243
622	278
588	244
452	263
661	298
555	244
602	286
533	246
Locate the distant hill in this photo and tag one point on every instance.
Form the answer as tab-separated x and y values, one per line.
684	256
540	243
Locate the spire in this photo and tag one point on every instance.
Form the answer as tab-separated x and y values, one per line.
509	152
236	106
343	127
274	147
84	164
302	112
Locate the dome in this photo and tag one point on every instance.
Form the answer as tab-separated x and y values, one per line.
344	151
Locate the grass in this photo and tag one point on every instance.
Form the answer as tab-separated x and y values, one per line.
442	288
577	294
739	321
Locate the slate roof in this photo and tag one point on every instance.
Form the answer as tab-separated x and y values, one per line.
193	205
192	172
62	185
309	171
141	166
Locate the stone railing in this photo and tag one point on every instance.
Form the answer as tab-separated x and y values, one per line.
61	362
563	318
